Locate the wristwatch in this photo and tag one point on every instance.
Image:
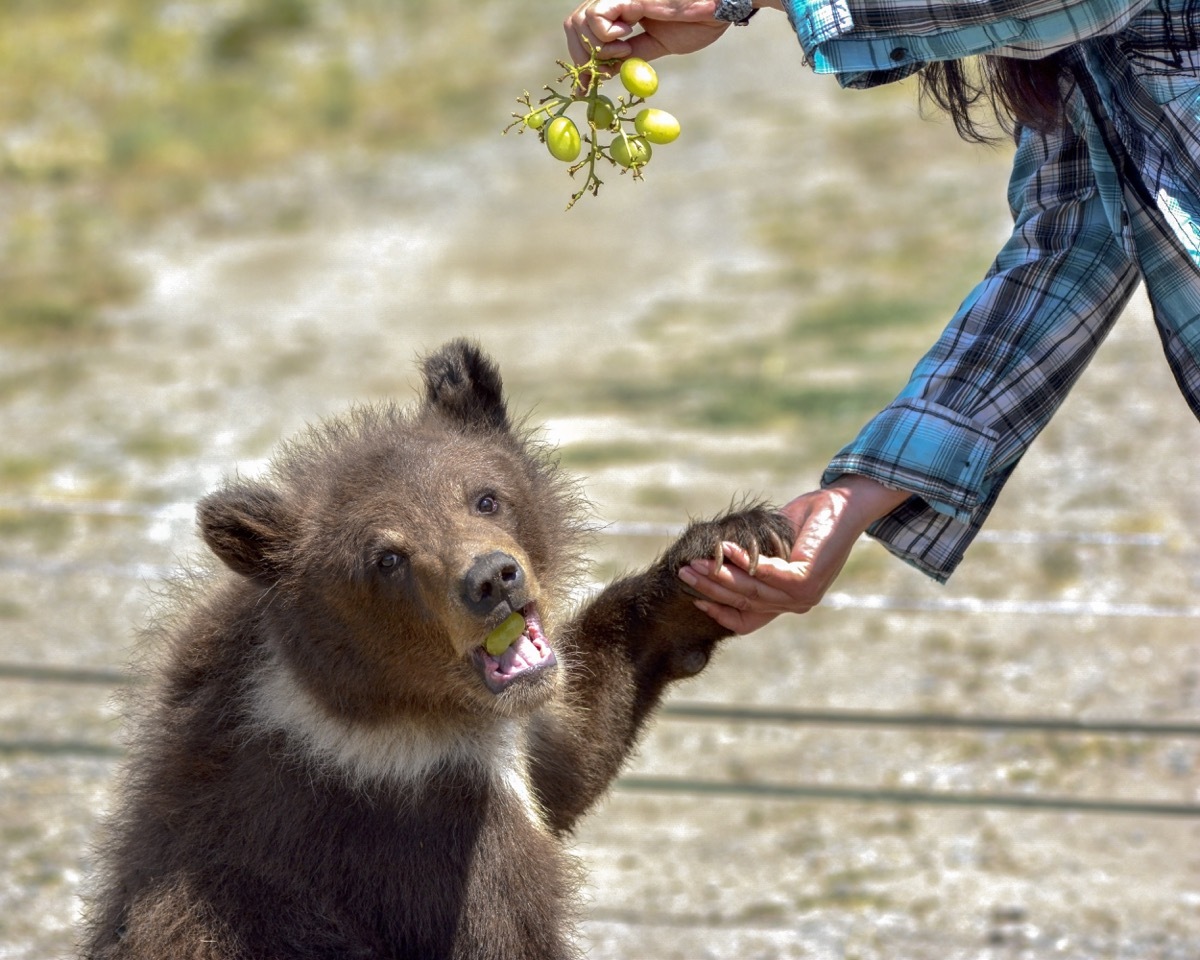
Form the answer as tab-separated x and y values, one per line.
737	12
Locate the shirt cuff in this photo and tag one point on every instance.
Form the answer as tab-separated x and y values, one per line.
864	58
928	450
933	542
819	21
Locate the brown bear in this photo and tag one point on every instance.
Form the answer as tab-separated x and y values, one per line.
337	757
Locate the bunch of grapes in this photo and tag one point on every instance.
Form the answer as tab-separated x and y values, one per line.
622	132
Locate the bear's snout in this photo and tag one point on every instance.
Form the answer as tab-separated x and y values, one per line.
494	583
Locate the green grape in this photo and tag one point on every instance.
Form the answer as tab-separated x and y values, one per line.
638	77
630	151
657	126
505	635
562	139
601	112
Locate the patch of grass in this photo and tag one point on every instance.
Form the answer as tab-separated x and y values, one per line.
585	456
45	529
10	609
659	496
42	317
849	324
724	394
845	890
745	402
158	445
23	471
866	566
886	244
239	38
61	373
131	109
56	271
1059	565
291	363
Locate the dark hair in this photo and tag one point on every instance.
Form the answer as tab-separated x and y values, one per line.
1018	93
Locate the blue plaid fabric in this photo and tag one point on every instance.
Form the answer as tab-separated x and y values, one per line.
1110	201
866	42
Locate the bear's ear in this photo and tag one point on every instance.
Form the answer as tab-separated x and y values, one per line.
464	384
249	528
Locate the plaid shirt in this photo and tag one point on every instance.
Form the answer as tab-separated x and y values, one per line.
1111	200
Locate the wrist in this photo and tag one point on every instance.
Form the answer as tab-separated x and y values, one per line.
866	500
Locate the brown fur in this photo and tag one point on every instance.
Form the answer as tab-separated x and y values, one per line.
322	770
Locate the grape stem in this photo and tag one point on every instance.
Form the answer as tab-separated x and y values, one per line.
585	80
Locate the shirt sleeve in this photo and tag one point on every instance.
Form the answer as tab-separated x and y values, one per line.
1004	364
869	42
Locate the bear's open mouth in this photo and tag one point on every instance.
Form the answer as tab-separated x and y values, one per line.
529	654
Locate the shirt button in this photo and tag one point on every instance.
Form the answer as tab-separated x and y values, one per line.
898	54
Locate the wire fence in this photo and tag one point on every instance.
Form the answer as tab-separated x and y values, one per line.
712	712
777	717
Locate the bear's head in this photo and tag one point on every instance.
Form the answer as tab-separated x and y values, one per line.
386	546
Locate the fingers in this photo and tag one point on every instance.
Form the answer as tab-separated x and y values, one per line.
646	45
747	558
732	620
708	583
749	585
597	24
732	586
772	571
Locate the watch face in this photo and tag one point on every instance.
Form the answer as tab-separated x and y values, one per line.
735	11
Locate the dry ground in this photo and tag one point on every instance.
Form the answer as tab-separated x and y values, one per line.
714	331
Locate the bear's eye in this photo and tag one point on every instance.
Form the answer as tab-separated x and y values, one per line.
487	504
389	562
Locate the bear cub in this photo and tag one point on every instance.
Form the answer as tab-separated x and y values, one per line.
338	756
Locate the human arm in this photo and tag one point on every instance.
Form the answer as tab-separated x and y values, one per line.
946	446
1005	363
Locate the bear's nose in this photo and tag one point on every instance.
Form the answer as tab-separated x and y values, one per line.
493	579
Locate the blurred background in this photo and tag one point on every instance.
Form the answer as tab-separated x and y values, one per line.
222	220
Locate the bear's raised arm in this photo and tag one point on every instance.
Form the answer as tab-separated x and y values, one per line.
625	646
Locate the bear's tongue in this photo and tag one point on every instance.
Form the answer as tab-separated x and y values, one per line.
524	654
527	654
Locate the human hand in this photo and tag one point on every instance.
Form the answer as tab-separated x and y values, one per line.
828	523
667	26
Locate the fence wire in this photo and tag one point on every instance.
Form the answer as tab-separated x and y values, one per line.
712	712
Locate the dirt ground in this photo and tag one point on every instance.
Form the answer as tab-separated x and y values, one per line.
1077	605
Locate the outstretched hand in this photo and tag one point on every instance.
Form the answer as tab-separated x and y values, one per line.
828	523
